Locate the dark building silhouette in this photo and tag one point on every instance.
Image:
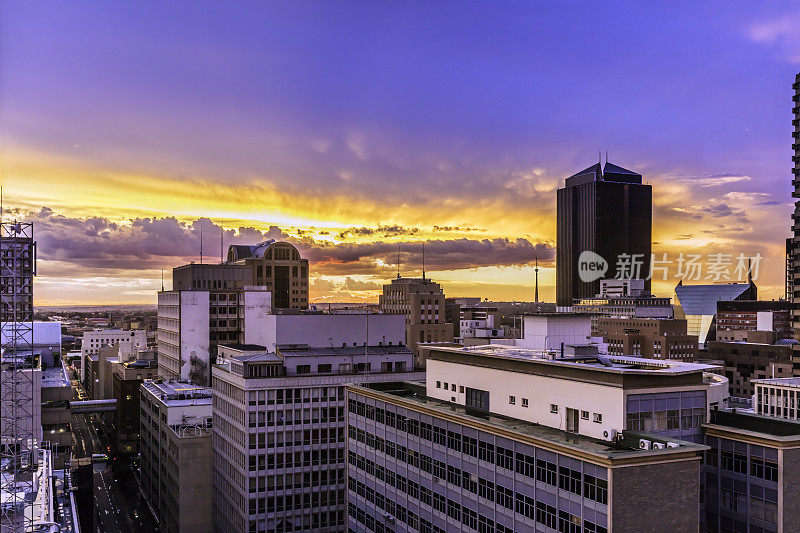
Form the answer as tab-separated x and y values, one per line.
606	210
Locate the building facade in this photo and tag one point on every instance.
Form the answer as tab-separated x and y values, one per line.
422	301
793	284
745	362
749	478
655	338
482	446
605	210
175	461
94	341
699	303
764	321
277	266
279	432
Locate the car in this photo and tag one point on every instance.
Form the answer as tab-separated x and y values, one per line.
99	458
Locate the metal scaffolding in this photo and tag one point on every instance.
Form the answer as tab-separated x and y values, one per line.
17	374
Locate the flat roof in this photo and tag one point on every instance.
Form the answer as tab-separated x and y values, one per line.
55	377
755	425
413	394
603	363
177	392
245	347
344	351
781	382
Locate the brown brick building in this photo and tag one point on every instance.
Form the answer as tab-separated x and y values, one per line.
656	338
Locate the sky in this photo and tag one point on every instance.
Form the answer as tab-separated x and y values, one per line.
357	129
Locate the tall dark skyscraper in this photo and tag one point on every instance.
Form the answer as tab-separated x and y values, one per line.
606	210
793	245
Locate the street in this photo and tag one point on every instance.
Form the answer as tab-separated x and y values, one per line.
118	504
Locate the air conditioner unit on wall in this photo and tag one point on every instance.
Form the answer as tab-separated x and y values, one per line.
645	444
659	445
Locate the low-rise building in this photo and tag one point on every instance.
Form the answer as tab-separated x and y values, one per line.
763	321
56	415
175	460
745	362
96	340
656	338
699	304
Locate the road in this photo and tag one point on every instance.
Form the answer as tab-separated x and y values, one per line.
119	507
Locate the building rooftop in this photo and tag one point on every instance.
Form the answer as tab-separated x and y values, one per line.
627	448
44	334
702	299
55	377
299	351
753	305
755	425
781	382
178	392
600	363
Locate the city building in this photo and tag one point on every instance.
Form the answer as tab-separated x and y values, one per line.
778	397
654	338
55	412
192	323
277	266
46	339
480	321
623	298
699	303
745	362
793	246
554	331
607	211
127	375
175	454
763	321
422	302
750	480
94	341
507	439
279	450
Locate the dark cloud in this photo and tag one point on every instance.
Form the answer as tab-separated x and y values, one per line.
380	231
96	244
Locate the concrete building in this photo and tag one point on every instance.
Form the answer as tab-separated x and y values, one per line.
502	440
552	331
127	377
793	245
192	323
422	301
279	461
94	341
699	303
745	362
623	298
749	480
480	321
175	462
55	412
777	397
654	338
764	321
277	266
606	211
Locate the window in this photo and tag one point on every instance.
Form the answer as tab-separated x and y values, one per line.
597	417
438	384
477	399
453	387
324	369
512	400
584	415
524	402
303	369
553	408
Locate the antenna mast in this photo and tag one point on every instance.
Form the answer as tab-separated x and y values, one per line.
201	245
398	260
423	259
221	238
536	289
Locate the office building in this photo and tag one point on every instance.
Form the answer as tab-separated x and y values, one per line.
763	321
746	362
623	298
422	302
699	303
750	480
793	246
192	323
279	450
654	338
175	460
277	266
778	397
606	211
503	439
480	321
94	341
554	331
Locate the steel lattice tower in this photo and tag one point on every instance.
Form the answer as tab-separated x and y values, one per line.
17	441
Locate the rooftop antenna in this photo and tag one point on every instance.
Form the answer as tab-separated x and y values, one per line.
536	289
423	259
749	272
398	260
201	245
606	157
221	238
162	280
1	203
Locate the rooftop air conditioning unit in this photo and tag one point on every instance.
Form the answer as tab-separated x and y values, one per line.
645	444
611	434
673	445
659	445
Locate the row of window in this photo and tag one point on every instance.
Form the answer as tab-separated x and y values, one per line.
563	477
737	462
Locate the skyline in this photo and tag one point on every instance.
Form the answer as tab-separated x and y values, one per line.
349	130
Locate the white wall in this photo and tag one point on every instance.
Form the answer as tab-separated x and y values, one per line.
194	330
547	332
764	321
332	330
539	390
257	306
94	340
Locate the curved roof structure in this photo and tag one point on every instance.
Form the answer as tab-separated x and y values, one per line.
237	252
